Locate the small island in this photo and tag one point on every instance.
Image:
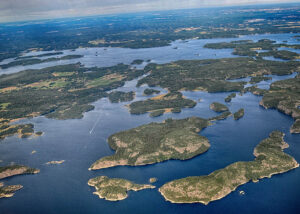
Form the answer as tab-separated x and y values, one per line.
120	96
115	189
270	159
230	97
152	180
161	104
218	107
156	142
55	162
239	114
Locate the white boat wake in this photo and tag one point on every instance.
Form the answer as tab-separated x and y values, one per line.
94	126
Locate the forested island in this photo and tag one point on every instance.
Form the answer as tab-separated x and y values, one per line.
269	160
230	97
120	96
156	142
160	104
115	189
218	107
239	114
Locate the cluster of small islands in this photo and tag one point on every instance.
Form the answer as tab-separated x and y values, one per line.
67	91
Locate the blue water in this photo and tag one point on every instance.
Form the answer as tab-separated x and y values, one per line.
188	49
63	188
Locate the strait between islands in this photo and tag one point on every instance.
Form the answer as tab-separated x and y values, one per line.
269	160
115	189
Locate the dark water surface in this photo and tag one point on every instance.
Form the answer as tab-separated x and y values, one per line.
63	188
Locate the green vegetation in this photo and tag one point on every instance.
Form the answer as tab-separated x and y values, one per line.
23	130
120	96
284	95
250	48
255	90
61	92
156	142
161	103
13	170
218	107
39	55
176	110
115	189
281	54
137	62
8	171
152	180
258	79
152	30
270	159
222	116
39	133
32	61
157	113
9	191
211	75
230	97
239	114
150	91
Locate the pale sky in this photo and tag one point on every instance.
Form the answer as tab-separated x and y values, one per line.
21	10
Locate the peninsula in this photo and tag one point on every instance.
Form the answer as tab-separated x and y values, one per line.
211	75
259	49
115	189
284	95
9	171
9	191
269	160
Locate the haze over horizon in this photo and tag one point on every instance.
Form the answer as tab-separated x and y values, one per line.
16	10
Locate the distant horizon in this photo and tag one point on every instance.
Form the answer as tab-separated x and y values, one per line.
50	15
